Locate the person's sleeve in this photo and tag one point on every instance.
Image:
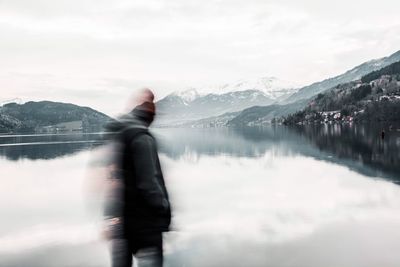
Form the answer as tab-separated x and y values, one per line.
148	173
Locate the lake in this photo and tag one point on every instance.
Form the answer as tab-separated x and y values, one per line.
316	196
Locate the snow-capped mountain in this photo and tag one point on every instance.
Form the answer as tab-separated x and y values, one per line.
203	102
272	87
188	95
216	100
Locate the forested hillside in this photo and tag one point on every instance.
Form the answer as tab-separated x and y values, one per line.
375	98
31	116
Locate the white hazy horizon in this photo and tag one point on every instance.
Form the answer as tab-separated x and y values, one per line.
96	53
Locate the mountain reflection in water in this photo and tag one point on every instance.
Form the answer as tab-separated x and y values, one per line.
274	196
359	147
362	144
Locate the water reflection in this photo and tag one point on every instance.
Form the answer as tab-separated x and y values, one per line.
279	211
15	147
273	196
240	142
360	148
362	144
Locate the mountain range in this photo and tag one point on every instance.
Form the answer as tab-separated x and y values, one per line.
265	99
240	103
194	104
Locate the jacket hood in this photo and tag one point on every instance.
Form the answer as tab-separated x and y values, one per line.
136	117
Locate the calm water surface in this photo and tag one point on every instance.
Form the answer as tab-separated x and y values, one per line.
275	196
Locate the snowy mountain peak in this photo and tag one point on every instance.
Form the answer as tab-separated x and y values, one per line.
187	95
269	85
272	87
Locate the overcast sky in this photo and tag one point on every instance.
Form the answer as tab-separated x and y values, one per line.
95	52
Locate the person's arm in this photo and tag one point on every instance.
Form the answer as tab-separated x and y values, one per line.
148	173
113	206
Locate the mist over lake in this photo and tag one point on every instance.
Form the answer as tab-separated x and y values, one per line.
272	196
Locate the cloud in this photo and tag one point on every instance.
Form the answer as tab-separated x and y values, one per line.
187	43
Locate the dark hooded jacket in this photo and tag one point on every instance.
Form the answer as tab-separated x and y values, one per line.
145	203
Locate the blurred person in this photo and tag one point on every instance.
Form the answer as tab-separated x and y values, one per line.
137	208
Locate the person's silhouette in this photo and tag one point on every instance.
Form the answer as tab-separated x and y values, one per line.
138	211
